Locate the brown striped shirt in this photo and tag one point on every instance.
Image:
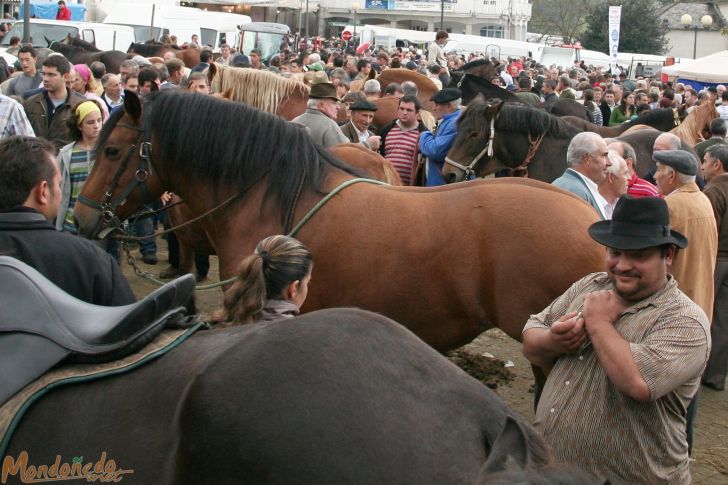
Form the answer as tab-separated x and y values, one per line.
591	424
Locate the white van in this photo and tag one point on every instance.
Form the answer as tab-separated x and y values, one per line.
219	28
152	21
106	37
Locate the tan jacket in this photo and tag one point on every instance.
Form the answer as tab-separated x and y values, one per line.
57	131
692	215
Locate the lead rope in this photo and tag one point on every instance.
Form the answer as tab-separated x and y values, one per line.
307	217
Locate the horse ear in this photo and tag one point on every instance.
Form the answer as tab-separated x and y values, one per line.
132	105
372	74
229	93
510	448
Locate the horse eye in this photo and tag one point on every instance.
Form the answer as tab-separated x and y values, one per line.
112	153
474	134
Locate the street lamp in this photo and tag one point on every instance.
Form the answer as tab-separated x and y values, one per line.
355	6
687	22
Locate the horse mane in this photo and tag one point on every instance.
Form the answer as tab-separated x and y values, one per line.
260	89
689	130
240	145
525	119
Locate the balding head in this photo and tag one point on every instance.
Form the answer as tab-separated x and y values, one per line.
666	141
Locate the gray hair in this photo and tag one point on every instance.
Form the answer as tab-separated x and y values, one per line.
582	144
409	88
618	163
682	178
625	150
340	74
372	86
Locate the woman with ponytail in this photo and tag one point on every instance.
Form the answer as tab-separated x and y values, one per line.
272	283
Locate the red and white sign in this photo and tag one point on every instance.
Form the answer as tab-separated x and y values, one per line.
346	35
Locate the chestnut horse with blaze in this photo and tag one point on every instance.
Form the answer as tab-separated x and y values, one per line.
447	262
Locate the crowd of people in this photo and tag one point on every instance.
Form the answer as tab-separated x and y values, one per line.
625	350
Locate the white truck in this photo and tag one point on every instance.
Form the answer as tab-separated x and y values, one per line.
43	31
151	20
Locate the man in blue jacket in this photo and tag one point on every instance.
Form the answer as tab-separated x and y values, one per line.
435	145
588	160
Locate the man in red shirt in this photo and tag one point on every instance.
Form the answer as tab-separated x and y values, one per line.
63	12
636	187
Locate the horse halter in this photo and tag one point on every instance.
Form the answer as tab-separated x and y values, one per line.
109	221
468	170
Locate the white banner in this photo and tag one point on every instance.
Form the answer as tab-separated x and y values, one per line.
615	15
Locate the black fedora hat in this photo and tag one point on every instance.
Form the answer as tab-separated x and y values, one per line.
637	224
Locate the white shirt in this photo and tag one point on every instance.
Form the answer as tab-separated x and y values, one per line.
594	190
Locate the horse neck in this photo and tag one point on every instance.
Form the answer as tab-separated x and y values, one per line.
688	130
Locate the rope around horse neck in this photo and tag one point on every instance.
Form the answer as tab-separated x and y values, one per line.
307	217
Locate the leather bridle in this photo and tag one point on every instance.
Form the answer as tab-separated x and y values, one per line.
469	170
108	220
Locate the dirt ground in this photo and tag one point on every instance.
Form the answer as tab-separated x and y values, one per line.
499	357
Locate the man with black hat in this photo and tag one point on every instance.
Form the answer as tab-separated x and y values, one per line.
624	350
691	214
435	145
357	128
320	116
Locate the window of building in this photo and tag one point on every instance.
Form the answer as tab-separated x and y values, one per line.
492	31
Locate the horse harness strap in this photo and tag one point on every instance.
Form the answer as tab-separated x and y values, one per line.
488	148
532	149
109	205
313	210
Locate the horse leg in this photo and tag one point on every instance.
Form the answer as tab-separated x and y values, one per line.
186	256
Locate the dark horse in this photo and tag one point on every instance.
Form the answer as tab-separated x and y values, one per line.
472	85
335	396
78	51
453	273
521	138
664	119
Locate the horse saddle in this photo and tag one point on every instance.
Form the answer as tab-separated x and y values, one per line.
42	325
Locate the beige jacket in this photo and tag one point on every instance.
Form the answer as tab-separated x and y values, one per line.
692	215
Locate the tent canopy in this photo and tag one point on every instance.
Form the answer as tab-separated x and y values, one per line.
710	69
48	10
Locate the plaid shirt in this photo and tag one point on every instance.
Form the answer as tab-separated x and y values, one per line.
12	119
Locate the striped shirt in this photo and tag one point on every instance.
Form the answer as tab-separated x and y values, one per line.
13	120
81	162
637	187
591	424
400	148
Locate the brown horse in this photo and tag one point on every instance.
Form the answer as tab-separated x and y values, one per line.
191	56
447	262
689	128
192	237
261	89
425	87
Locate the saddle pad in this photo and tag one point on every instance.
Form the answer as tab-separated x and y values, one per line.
13	410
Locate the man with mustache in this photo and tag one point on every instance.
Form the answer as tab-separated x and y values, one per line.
624	351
